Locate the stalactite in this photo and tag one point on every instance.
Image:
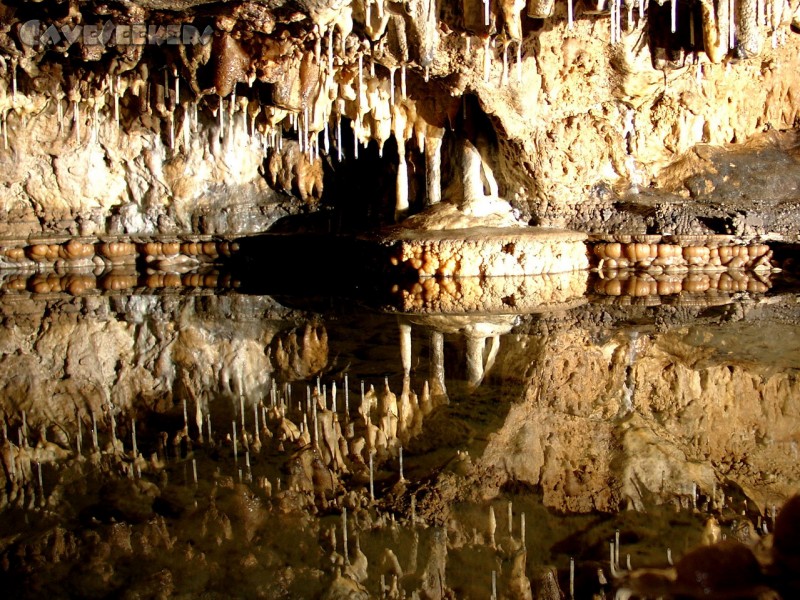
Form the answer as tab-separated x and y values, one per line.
504	78
540	9
338	137
487	59
673	15
715	29
77	117
750	17
221	112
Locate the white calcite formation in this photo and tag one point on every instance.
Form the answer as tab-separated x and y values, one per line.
487	251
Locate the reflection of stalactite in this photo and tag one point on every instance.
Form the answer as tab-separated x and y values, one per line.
405	348
437	384
475	346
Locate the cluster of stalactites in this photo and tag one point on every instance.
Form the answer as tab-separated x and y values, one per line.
360	82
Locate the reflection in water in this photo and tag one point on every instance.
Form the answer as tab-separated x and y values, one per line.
163	443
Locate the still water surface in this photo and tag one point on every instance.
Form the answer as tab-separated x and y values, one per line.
611	422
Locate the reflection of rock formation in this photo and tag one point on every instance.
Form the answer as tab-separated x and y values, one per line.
489	295
707	409
299	354
142	352
711	288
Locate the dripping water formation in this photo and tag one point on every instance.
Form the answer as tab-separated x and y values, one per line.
375	299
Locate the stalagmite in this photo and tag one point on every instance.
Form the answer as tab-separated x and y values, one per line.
612	565
235	443
522	529
492	526
333	396
371	478
494	585
194	470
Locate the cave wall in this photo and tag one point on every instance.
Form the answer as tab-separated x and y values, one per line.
228	134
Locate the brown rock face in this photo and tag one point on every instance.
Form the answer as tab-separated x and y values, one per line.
169	113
